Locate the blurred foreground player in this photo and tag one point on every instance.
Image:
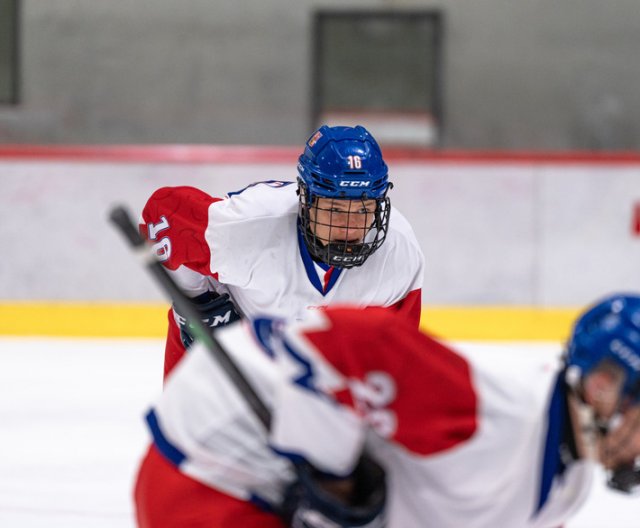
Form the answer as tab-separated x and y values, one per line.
472	440
283	248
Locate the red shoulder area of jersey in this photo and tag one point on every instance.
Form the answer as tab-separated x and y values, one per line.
175	220
410	307
433	401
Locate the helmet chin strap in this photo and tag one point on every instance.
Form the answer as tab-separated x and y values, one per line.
347	254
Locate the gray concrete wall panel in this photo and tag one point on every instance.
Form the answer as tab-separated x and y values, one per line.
532	74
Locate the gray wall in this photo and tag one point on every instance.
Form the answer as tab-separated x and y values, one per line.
525	74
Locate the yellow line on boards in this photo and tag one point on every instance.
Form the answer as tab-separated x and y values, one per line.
494	323
71	319
84	319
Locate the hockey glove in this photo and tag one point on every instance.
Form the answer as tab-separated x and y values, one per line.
309	503
626	478
216	310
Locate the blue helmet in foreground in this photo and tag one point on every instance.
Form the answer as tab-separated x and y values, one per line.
343	183
609	330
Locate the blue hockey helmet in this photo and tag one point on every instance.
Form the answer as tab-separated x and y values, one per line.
609	330
343	163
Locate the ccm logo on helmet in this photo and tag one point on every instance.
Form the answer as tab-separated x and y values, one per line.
354	183
625	354
347	259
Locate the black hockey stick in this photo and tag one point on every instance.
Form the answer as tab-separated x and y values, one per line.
121	218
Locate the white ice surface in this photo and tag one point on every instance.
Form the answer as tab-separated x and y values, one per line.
71	429
72	434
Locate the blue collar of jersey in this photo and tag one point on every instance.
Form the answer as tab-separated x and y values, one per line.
553	464
309	266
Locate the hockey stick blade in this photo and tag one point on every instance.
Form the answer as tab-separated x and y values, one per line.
120	217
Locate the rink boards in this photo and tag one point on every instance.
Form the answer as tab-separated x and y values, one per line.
83	319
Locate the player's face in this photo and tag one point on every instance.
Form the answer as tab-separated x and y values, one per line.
617	439
602	388
342	220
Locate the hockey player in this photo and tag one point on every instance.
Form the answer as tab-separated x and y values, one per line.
283	248
472	440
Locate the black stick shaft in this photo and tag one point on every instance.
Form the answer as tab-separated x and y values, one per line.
121	218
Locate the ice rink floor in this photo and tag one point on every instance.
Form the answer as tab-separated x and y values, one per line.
72	433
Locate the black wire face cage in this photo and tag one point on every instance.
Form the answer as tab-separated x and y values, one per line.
325	229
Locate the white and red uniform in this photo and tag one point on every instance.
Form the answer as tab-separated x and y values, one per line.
248	245
467	439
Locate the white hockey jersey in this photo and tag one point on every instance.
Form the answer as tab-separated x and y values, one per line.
249	245
467	439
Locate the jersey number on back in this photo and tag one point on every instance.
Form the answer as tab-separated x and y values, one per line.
372	396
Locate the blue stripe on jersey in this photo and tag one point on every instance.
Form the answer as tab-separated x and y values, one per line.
325	267
299	459
264	330
309	266
553	465
270	183
305	379
308	263
168	450
261	503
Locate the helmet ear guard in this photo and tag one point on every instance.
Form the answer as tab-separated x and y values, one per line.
343	163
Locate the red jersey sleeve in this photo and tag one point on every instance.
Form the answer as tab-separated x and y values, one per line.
174	220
